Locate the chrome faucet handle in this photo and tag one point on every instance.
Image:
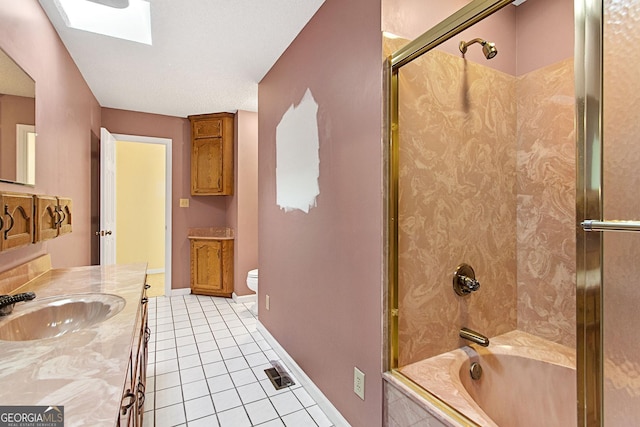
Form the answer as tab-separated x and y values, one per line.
464	280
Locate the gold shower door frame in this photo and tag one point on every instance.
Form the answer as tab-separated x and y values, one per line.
588	83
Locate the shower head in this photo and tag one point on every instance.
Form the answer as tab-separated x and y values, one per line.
488	48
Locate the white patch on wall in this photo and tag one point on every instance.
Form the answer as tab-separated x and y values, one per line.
297	156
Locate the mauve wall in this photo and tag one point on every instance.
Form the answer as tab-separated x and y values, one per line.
545	30
242	207
621	293
66	114
203	211
323	269
13	110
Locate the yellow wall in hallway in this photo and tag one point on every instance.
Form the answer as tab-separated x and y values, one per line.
140	203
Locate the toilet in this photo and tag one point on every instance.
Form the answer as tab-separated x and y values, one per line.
252	283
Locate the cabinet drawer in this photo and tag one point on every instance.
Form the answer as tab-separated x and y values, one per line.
47	218
64	208
17	220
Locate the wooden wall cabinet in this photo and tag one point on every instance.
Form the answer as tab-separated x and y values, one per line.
16	226
212	267
212	141
27	218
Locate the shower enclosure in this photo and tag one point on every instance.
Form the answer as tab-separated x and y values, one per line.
498	167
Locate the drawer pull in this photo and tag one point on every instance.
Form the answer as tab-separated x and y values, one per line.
6	212
128	395
141	394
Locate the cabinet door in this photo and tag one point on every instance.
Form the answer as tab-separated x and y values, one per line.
206	128
206	267
18	220
143	356
46	218
206	166
125	417
64	212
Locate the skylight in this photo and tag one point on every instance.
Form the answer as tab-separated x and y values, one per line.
129	23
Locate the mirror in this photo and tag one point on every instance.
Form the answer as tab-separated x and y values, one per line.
17	123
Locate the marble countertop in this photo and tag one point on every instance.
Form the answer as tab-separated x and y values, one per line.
83	371
211	233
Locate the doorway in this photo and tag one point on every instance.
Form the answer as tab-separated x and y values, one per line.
142	198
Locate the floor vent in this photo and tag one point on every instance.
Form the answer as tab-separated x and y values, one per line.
278	376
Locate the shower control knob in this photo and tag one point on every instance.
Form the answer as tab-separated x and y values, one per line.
464	280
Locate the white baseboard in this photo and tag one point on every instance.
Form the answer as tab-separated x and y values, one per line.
182	291
325	404
155	271
244	299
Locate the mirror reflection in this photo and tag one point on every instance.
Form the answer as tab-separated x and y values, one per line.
17	123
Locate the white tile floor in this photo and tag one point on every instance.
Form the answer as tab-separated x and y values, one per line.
206	368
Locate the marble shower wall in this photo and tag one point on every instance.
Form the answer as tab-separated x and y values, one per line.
546	203
487	173
457	202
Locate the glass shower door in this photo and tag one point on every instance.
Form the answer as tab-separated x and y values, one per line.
621	201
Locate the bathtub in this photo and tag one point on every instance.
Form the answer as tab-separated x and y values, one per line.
526	381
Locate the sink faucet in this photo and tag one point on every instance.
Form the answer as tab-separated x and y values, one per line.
474	336
7	301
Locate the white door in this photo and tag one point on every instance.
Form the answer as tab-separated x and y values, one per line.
107	198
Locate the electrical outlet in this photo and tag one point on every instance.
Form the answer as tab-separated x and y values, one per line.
184	203
266	302
358	382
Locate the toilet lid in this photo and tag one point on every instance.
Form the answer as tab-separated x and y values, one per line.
253	273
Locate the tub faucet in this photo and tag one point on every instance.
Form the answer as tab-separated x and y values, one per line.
474	336
7	301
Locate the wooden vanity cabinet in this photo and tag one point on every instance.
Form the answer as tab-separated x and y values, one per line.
212	137
212	267
134	393
16	226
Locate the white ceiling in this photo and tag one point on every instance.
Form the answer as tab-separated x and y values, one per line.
207	55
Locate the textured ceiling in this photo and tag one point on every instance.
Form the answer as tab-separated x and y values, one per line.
207	55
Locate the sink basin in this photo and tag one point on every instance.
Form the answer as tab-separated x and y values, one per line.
56	316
